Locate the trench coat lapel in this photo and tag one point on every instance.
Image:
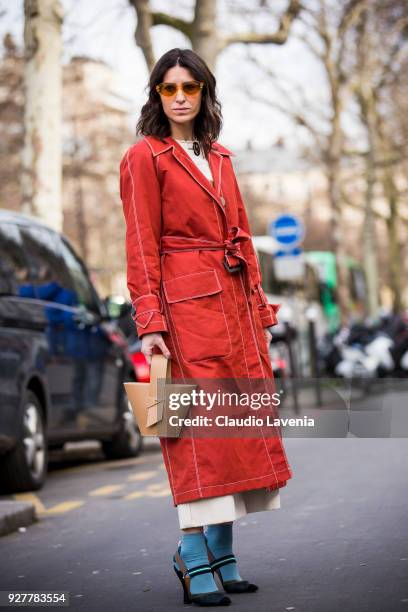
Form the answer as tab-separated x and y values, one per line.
215	163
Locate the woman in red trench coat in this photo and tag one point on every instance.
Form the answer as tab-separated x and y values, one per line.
195	286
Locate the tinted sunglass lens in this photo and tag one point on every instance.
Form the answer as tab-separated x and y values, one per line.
168	90
191	88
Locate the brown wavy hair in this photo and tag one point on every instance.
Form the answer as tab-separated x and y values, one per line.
208	121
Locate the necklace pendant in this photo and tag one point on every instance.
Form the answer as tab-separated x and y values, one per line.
196	147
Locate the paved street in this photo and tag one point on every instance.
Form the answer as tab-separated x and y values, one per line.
108	530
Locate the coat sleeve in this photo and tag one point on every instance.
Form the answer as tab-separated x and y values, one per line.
141	199
267	311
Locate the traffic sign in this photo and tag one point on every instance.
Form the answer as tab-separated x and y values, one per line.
289	252
288	230
290	266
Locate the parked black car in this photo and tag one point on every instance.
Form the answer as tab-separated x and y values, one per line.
63	359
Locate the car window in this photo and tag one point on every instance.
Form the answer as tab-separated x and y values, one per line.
36	262
85	291
45	262
13	264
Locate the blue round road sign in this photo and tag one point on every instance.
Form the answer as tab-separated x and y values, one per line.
288	230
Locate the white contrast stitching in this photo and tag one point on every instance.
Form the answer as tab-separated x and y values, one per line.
195	178
184	379
158	152
158	298
147	310
166	282
213	356
225	484
252	328
137	221
146	323
239	323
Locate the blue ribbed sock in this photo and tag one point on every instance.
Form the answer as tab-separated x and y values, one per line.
194	552
219	538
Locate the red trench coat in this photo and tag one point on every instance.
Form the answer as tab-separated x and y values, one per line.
179	228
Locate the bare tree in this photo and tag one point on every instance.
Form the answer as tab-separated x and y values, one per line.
381	44
11	123
326	35
42	171
365	96
202	30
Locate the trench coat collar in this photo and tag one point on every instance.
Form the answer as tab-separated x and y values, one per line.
217	153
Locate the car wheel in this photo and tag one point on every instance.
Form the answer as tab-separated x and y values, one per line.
25	467
128	441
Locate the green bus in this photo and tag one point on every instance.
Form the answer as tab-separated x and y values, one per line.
325	264
318	282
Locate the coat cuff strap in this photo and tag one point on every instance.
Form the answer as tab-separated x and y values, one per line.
267	312
148	315
268	315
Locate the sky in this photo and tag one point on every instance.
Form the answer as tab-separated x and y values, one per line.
104	29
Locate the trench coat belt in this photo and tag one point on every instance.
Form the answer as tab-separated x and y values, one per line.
233	256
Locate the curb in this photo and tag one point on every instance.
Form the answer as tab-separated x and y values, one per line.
14	514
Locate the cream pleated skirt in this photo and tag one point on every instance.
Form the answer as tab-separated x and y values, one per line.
225	508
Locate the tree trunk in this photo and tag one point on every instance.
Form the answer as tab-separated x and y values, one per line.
42	155
333	165
204	33
394	244
337	247
367	104
369	236
395	257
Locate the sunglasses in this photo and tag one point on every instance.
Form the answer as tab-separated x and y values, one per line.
190	88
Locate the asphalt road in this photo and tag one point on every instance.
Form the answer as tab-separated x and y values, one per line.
107	532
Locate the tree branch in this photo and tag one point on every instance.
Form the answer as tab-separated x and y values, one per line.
279	37
174	22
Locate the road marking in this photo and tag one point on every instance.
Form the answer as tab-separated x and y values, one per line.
33	499
66	506
160	489
135	495
156	486
41	510
164	493
157	489
143	475
106	490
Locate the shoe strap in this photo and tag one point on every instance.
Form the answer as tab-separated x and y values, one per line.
198	569
221	561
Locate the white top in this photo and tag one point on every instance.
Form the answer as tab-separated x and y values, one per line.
213	510
199	160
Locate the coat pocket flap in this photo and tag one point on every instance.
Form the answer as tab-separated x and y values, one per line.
190	286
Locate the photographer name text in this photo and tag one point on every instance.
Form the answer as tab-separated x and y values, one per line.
248	421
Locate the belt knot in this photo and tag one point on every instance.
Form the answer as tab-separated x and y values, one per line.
232	246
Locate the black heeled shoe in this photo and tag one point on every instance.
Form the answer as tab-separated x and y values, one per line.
230	586
214	598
